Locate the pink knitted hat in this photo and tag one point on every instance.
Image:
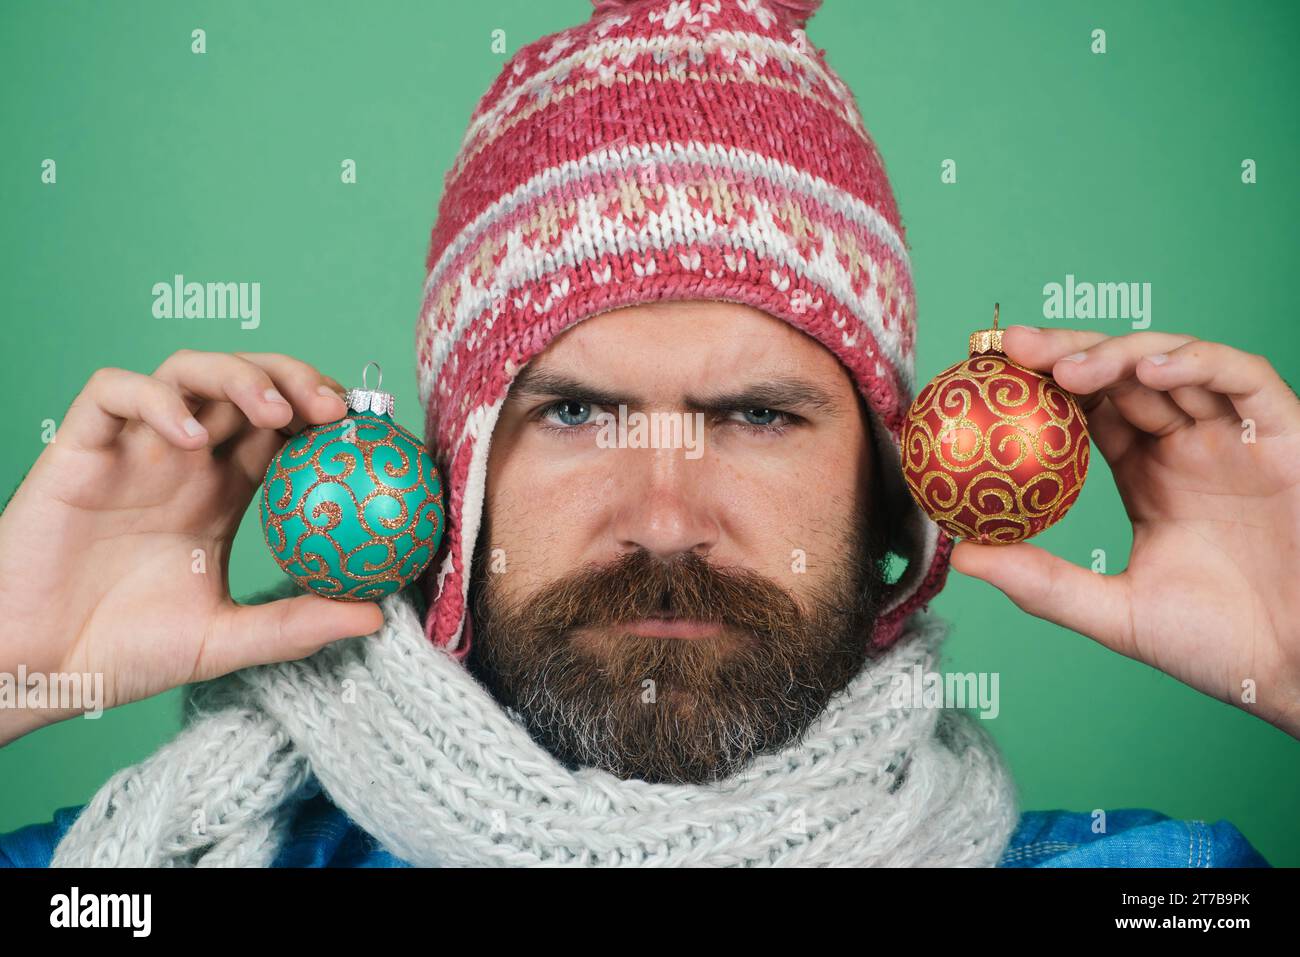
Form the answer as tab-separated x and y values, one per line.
665	149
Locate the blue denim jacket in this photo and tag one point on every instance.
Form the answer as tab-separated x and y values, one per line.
323	836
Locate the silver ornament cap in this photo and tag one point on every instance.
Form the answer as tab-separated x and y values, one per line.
367	399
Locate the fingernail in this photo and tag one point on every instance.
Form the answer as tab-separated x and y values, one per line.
1159	358
330	393
270	395
193	426
1075	357
1026	328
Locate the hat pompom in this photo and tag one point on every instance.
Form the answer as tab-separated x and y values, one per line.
612	6
796	12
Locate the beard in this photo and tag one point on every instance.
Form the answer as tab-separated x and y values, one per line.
674	710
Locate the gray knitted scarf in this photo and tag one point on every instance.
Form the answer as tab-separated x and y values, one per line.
418	753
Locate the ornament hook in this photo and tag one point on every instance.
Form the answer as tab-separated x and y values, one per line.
367	399
987	340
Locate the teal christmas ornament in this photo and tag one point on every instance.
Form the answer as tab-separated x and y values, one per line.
353	509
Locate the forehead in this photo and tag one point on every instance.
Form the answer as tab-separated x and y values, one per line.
681	341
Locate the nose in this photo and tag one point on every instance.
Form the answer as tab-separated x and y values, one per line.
664	503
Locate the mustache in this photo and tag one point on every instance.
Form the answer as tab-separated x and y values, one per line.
640	585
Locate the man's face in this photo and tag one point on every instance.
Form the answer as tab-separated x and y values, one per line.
668	613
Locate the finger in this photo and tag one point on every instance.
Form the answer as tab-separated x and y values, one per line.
220	377
1051	588
316	398
1247	382
1109	431
227	424
284	630
1109	368
113	397
1158	416
223	420
1042	349
259	384
1047	350
1199	403
252	451
1145	408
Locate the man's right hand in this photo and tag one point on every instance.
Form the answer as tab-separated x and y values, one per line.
114	550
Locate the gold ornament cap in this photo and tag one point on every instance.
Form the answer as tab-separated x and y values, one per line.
987	340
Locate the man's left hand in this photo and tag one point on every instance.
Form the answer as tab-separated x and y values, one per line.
1204	444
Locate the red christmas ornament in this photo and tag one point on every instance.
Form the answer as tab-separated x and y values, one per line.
992	451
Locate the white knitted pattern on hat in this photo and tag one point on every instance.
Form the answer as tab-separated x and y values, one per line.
422	757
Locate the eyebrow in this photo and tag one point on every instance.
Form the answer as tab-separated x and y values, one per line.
780	392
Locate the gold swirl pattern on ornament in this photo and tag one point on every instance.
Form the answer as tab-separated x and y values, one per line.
397	477
985	418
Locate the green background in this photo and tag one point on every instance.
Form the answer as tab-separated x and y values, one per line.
225	167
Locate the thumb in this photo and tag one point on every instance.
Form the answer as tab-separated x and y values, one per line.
284	630
1051	588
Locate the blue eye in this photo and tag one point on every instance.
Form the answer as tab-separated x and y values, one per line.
569	412
760	420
